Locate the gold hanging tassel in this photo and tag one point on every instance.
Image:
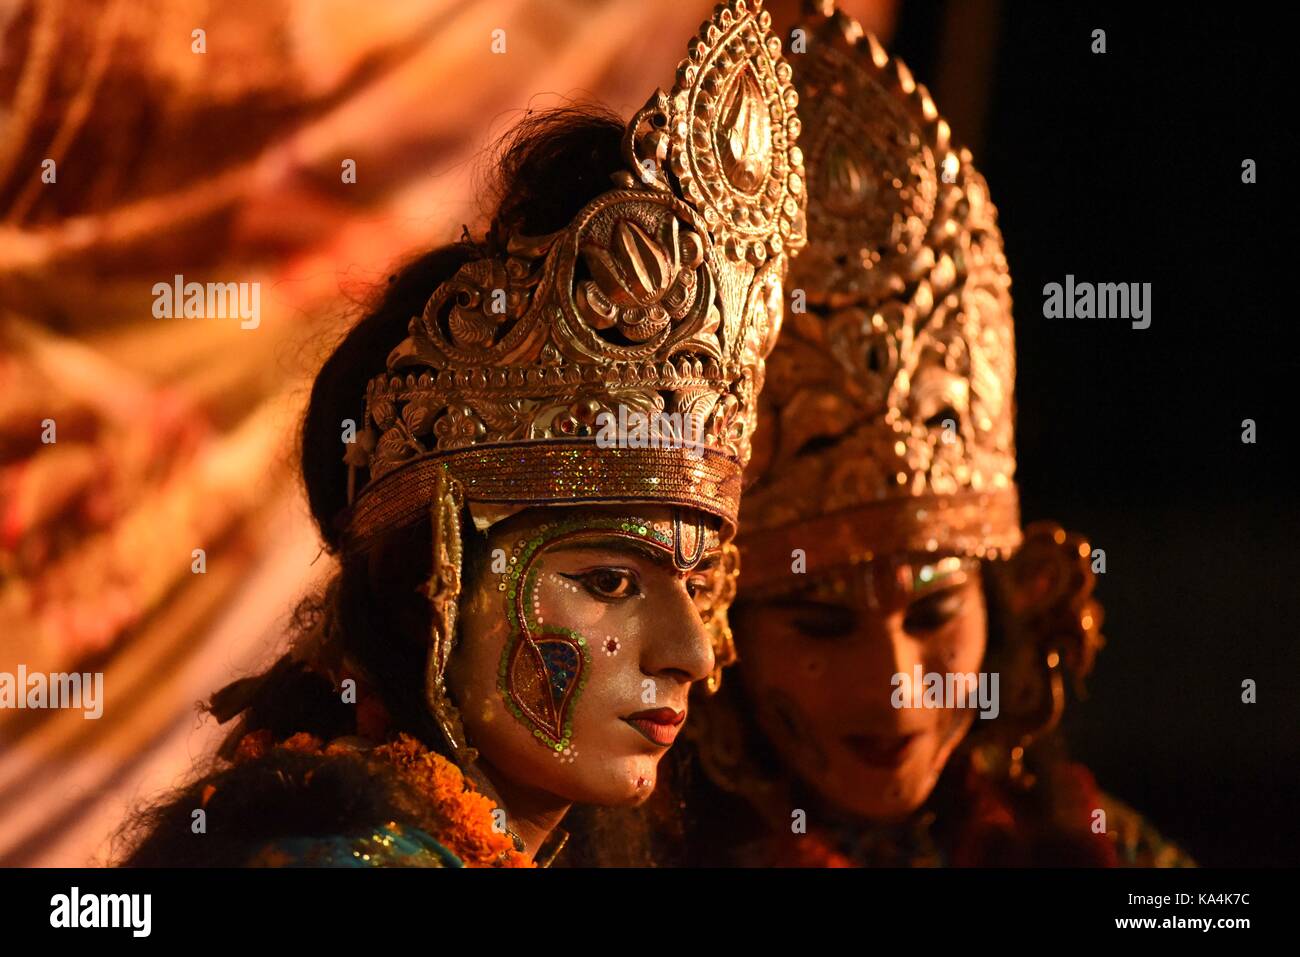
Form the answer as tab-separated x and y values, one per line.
716	620
443	591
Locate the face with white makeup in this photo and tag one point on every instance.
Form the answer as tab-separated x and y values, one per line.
595	597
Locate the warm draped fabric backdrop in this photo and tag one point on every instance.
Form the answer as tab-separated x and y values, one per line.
178	434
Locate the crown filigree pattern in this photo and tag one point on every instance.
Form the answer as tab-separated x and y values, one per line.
663	295
894	390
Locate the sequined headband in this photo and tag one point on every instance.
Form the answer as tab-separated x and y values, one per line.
550	473
975	524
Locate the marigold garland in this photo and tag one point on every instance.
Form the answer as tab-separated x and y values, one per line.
462	816
470	832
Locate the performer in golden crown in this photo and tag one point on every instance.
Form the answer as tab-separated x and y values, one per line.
524	597
905	649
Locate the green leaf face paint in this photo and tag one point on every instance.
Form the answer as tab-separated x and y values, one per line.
545	667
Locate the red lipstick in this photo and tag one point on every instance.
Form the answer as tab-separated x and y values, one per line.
658	725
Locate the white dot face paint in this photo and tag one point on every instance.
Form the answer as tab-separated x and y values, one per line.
548	671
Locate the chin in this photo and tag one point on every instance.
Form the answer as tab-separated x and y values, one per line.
878	795
618	788
904	806
878	808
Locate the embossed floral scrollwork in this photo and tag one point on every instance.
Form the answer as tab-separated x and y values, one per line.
638	287
731	421
458	427
394	447
652	298
488	296
866	346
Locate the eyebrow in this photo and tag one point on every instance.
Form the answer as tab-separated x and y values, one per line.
624	543
710	561
617	543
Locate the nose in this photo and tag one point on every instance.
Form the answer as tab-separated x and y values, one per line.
679	647
885	649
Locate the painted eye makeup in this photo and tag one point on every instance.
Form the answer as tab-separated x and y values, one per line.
821	621
608	583
935	610
701	585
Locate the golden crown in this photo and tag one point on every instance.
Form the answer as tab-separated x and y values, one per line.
661	298
887	424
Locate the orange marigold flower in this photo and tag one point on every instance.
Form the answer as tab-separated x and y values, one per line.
467	826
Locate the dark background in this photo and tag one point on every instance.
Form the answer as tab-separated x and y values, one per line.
1126	167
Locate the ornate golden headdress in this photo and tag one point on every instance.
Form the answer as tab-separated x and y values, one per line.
662	296
887	421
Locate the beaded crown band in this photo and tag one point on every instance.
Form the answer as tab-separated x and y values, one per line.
887	423
663	297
